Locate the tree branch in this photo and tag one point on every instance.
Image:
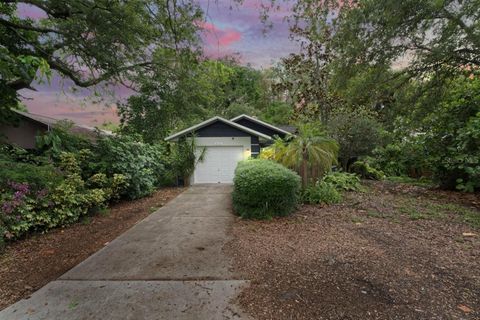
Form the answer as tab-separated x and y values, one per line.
28	27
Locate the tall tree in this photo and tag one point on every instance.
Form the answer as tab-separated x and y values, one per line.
88	41
422	37
190	90
306	76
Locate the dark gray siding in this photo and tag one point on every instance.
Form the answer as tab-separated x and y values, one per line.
220	129
259	128
255	147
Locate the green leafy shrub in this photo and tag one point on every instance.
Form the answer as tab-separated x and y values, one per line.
407	157
37	175
364	170
57	198
357	132
343	181
321	192
263	189
143	165
59	139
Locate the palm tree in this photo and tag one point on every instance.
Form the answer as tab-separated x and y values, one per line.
311	153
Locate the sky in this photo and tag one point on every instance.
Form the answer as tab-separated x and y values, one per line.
229	29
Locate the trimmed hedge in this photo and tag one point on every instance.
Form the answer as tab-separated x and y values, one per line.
264	189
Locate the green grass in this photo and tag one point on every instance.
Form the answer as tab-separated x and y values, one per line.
356	219
417	209
421	182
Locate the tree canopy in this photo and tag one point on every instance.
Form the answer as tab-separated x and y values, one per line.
88	41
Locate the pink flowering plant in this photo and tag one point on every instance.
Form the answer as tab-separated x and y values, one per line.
41	200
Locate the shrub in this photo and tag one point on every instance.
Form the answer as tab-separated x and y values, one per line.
357	132
60	139
321	192
364	170
143	165
38	176
406	157
41	205
343	181
263	189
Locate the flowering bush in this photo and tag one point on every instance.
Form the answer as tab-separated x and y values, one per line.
28	206
61	182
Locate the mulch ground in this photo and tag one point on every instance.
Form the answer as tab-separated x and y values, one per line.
29	264
391	252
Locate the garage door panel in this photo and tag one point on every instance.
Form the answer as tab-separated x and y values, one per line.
218	165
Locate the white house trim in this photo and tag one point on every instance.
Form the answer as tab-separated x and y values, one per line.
212	120
261	122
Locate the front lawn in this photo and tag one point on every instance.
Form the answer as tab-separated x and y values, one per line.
393	251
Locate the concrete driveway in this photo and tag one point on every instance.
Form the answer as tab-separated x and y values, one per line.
168	266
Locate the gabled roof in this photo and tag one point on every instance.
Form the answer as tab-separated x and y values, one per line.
90	132
212	120
268	125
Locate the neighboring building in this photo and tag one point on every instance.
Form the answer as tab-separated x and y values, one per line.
29	126
226	143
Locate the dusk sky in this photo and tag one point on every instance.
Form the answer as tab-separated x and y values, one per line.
229	30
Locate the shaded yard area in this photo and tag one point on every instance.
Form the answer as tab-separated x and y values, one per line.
392	252
28	264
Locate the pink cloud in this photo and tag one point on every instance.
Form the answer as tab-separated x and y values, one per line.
215	36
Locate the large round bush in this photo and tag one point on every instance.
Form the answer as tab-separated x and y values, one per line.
263	189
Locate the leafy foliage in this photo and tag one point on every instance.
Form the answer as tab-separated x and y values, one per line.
51	198
357	133
63	183
190	90
143	165
364	170
406	157
311	153
89	41
437	36
321	193
343	181
59	139
264	189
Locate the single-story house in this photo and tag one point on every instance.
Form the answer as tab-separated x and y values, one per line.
226	142
23	133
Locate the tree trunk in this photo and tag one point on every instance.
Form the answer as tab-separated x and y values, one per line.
304	170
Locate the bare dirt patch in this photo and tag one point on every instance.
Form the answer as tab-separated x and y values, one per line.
29	264
392	252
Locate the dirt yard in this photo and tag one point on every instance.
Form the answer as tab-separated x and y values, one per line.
29	264
391	252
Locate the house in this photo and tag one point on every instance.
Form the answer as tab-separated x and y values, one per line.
23	134
226	142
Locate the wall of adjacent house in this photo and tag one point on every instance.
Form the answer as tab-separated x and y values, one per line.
23	134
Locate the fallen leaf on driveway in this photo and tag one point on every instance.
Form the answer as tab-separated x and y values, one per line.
464	308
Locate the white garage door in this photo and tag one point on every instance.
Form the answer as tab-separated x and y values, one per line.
218	165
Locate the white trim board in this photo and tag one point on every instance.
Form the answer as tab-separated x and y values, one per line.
212	120
268	125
